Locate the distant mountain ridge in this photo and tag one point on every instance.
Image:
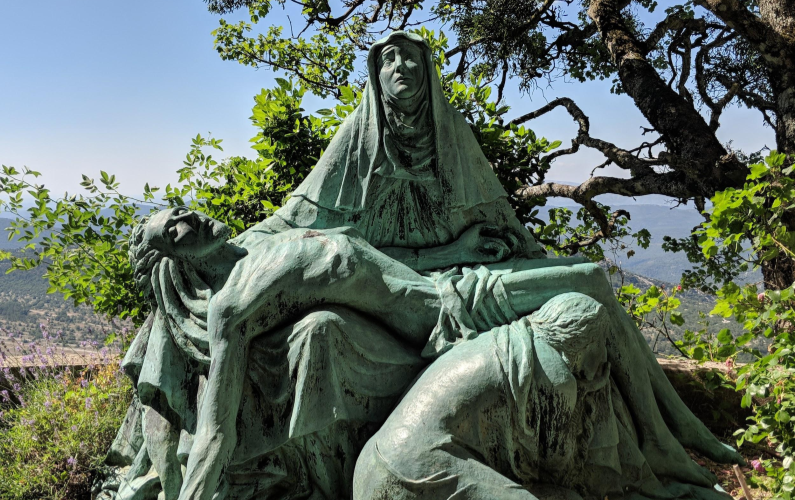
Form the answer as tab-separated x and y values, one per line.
660	221
6	219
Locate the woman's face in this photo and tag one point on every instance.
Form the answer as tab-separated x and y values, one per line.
184	233
400	69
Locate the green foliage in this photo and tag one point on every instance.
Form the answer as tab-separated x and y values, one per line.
82	240
757	212
322	62
241	192
560	237
705	345
757	215
724	262
708	274
53	440
655	309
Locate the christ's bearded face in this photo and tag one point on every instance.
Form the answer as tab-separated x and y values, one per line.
181	232
400	69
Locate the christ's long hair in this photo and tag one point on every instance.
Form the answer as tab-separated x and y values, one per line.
175	292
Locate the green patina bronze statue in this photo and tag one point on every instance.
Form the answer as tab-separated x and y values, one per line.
276	364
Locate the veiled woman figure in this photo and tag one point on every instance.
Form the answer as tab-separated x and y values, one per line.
406	176
406	170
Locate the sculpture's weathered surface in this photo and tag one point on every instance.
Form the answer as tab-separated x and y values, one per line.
270	359
524	411
408	173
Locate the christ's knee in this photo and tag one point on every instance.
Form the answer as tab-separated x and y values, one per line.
329	258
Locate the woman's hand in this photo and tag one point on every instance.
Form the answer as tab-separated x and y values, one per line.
480	244
484	243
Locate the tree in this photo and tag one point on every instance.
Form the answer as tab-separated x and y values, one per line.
700	58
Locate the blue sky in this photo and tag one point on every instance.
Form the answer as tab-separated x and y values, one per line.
123	86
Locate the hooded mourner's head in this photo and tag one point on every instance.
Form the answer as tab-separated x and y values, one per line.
401	69
404	127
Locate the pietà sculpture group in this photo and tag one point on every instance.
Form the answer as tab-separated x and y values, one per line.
392	332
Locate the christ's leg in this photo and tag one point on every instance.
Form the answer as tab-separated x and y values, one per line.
162	440
305	273
302	274
529	289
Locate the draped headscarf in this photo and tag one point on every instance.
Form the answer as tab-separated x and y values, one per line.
408	137
368	142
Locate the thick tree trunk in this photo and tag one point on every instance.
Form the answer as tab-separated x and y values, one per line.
706	164
701	158
779	15
778	273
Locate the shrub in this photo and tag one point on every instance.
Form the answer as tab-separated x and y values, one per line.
757	215
56	422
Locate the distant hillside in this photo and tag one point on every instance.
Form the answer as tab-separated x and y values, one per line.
693	303
661	221
5	244
25	305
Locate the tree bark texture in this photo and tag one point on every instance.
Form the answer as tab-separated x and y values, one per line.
772	33
705	164
696	152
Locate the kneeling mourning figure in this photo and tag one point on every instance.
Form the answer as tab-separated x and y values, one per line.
392	332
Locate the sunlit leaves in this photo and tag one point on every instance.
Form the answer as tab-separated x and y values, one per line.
565	229
322	62
756	215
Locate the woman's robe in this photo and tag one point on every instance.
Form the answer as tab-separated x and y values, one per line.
361	180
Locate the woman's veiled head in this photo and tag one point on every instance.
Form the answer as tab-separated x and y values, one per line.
421	139
401	68
400	65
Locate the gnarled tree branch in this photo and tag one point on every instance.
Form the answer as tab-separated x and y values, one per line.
774	47
699	155
670	184
527	25
621	157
